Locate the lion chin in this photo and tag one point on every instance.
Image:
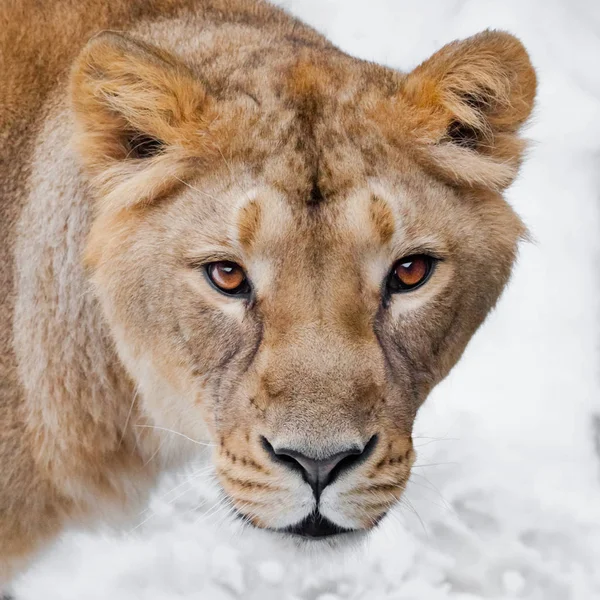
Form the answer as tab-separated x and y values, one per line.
221	233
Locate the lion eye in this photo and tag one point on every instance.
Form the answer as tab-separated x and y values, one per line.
410	272
228	277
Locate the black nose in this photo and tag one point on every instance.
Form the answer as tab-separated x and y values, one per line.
320	472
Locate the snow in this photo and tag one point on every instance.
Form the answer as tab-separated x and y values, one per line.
505	500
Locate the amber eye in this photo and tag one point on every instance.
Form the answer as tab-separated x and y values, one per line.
410	272
228	277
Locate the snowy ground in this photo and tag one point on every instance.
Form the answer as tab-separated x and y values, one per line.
506	502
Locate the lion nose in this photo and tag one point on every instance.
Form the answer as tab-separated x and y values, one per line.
320	472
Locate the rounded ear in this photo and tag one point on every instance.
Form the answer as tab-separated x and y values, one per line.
466	105
139	114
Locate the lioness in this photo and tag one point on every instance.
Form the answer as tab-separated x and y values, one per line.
215	226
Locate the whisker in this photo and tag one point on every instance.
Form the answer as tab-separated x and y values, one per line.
158	447
195	189
218	506
230	511
179	434
441	464
433	440
431	487
135	395
406	503
188	481
244	513
396	518
142	523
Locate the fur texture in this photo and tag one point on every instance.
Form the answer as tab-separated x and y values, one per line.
202	130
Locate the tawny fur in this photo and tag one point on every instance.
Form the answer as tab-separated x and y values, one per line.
313	170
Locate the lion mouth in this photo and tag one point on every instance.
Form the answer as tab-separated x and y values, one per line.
315	526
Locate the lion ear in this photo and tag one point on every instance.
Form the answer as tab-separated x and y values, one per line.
138	112
467	103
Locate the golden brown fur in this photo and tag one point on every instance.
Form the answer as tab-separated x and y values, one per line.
199	130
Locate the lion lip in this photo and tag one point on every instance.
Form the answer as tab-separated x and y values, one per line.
315	526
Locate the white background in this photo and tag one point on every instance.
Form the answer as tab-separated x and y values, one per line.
506	503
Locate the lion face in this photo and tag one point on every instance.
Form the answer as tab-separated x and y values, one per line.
289	270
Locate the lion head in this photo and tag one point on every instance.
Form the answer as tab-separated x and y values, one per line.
292	252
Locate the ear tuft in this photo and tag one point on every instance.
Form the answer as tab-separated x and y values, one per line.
465	106
140	116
